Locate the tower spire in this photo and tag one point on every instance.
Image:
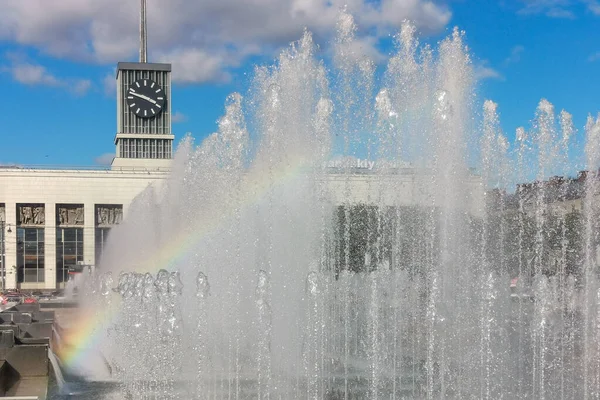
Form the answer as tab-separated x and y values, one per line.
143	33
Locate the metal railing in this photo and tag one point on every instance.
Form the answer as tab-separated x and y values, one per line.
81	168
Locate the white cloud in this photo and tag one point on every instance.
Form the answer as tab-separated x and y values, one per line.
560	13
32	74
195	65
104	159
28	73
179	117
80	87
109	83
550	8
593	6
594	57
515	55
484	71
213	35
559	8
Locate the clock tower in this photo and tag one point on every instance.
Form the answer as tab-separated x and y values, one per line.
144	138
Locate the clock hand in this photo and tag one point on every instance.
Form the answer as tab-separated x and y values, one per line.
141	96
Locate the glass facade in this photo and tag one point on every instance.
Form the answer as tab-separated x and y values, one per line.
367	237
101	235
69	251
30	255
145	148
66	250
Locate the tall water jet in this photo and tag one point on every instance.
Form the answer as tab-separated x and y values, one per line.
202	338
264	335
168	331
312	335
592	152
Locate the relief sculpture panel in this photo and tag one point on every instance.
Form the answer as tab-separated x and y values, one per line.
107	215
69	214
31	214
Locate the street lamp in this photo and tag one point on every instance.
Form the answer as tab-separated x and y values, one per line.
3	251
3	226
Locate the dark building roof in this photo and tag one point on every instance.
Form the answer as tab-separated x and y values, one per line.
555	189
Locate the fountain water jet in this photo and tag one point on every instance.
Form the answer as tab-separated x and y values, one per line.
385	281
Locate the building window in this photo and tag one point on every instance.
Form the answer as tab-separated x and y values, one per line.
139	153
168	149
153	149
101	236
160	149
107	216
30	255
145	148
364	237
69	251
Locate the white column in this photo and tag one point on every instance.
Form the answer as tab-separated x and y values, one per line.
50	246
11	245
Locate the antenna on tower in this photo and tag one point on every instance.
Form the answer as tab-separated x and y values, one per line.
143	34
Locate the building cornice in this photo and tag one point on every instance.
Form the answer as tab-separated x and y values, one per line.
127	66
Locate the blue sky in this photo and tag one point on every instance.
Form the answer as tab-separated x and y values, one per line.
57	59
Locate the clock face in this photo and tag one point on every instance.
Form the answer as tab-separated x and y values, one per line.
145	98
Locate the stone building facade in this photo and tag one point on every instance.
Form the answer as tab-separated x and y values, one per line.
54	219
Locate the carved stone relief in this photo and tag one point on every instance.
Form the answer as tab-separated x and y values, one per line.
107	215
31	214
69	214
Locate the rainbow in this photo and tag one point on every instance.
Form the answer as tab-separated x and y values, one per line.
82	340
